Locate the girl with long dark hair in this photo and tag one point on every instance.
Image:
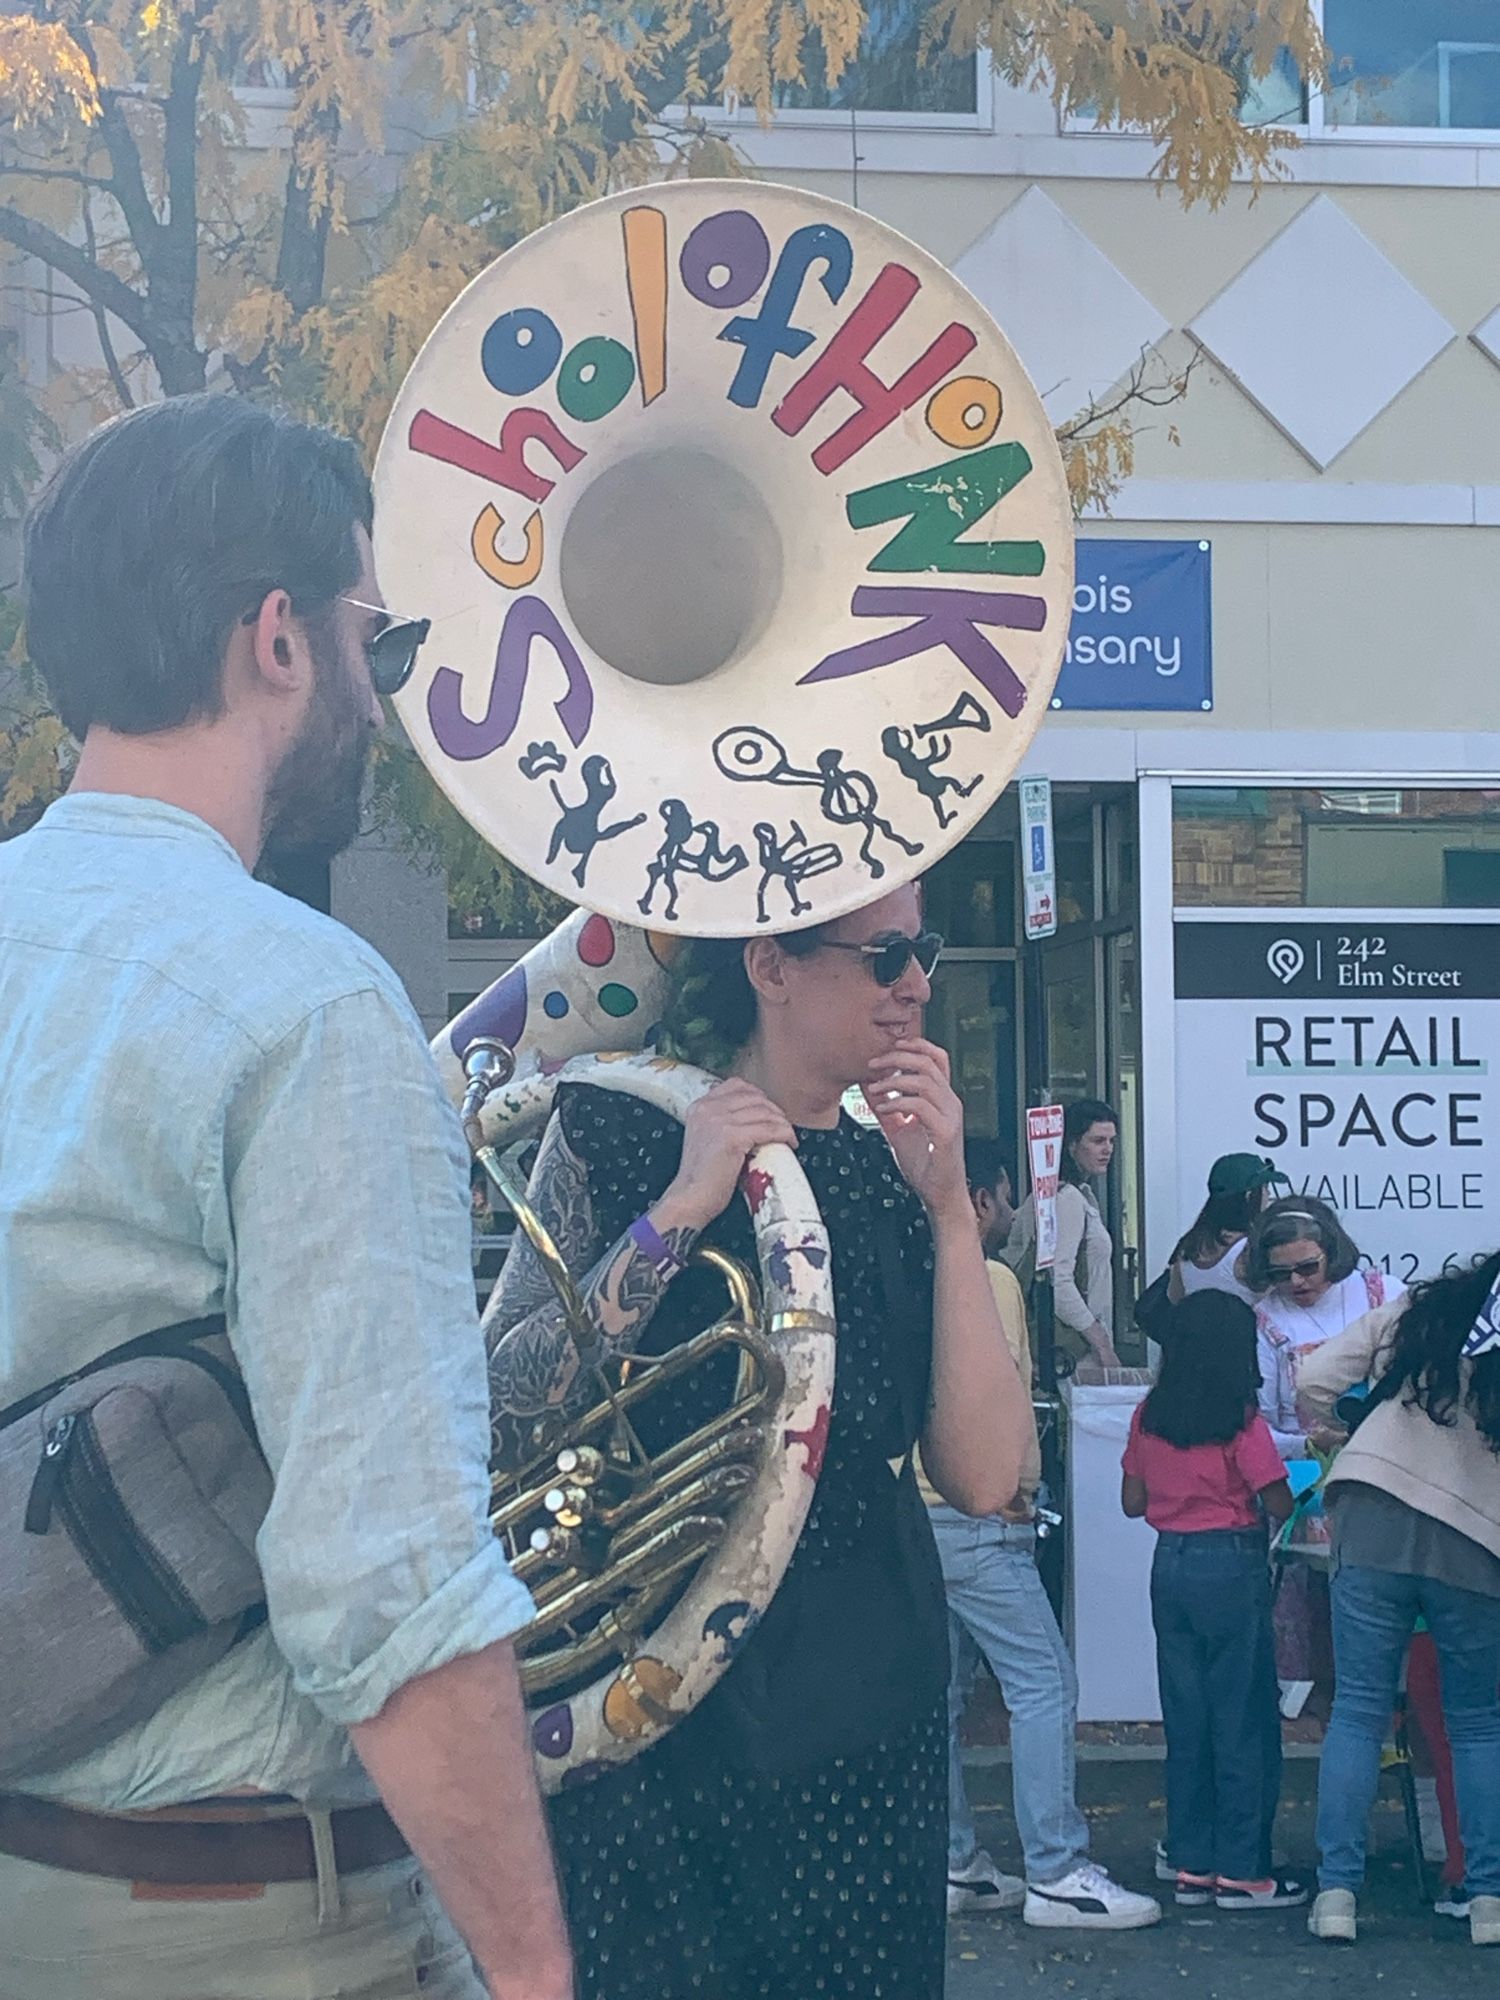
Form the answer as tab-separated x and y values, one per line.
1201	1466
1414	1503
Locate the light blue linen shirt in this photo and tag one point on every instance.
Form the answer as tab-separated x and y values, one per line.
213	1099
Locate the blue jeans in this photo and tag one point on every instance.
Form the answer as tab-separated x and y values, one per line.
1373	1614
1216	1666
997	1605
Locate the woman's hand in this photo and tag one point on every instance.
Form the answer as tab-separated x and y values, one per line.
920	1114
1101	1341
720	1131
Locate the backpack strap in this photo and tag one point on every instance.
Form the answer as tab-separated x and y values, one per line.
168	1340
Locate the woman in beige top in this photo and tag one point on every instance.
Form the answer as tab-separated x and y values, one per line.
1083	1281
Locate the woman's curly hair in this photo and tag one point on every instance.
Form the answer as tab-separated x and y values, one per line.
1424	1365
711	1012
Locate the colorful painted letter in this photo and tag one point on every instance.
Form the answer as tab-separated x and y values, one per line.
843	365
938	505
528	619
943	618
504	465
771	331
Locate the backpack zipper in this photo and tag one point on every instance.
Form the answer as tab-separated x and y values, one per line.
74	1478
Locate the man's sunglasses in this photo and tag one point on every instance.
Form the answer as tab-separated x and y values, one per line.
1308	1268
392	650
888	958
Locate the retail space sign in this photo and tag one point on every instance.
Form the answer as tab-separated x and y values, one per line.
1044	1137
1361	1050
1142	632
1038	860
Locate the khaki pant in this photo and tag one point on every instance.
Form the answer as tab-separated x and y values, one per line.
380	1936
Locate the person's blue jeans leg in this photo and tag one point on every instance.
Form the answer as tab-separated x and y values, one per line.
1466	1630
1211	1606
996	1595
963	1659
1373	1614
1181	1676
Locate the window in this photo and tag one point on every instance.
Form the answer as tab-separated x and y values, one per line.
1431	65
1400	68
1272	847
889	74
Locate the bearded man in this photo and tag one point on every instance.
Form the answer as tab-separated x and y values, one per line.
192	1066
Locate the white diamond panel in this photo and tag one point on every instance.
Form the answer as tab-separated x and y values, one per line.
1322	331
1077	323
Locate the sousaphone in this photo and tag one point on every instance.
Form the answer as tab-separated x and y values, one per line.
748	552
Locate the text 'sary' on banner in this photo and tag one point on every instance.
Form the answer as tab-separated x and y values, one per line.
1142	631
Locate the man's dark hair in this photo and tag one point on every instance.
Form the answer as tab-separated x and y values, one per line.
984	1163
162	530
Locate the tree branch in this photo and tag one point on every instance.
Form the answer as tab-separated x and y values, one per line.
128	176
17	172
101	322
71	261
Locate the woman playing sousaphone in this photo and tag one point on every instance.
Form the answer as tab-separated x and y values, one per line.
789	1837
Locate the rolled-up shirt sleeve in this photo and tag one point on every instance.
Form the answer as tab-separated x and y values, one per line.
351	1310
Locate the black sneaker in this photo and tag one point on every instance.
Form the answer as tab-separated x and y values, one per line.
1277	1892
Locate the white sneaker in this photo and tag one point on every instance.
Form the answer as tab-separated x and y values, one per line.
1334	1917
1294	1695
1453	1903
982	1889
1087	1899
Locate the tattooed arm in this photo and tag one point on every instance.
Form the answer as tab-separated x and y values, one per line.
536	1384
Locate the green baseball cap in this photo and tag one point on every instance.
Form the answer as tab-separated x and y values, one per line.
1238	1173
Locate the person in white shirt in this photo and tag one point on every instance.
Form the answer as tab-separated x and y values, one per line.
1209	1256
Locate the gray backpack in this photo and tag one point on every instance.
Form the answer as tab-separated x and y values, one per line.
131	1494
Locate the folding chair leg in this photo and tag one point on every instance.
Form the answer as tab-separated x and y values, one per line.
1406	1777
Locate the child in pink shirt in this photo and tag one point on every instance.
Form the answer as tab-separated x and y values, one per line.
1202	1468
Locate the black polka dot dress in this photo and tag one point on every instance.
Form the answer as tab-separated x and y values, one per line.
713	1864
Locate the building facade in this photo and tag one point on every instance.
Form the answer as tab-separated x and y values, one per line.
1278	858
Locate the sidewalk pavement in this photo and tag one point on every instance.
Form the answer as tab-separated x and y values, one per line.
1404	1952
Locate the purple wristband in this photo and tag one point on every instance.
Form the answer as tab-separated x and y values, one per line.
663	1259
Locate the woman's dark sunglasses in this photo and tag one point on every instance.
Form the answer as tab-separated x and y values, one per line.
888	958
1308	1268
392	651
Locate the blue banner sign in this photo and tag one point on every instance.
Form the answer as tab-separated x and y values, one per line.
1142	633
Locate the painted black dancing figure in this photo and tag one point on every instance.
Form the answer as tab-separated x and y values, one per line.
791	862
689	847
900	745
578	829
789	1837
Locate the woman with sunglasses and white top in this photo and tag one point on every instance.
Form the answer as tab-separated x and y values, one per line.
1305	1268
